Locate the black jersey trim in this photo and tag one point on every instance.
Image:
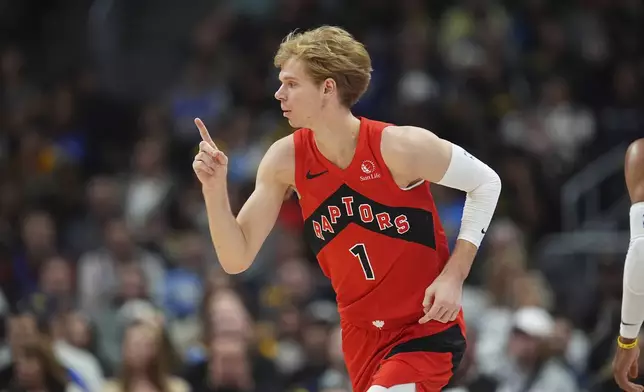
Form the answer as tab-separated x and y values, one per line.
343	207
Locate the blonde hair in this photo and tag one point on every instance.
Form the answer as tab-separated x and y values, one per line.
330	52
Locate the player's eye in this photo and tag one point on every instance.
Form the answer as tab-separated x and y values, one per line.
290	84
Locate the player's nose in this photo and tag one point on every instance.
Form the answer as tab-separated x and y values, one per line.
279	94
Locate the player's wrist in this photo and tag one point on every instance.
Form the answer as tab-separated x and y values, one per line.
216	196
218	189
627	343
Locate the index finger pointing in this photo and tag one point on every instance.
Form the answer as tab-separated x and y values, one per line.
205	136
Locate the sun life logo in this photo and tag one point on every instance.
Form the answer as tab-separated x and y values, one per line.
368	168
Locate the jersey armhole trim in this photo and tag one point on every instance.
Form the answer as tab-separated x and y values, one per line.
300	154
413	185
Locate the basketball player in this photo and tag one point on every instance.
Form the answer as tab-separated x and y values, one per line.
369	215
625	363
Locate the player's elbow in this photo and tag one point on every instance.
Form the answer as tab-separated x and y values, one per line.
235	267
495	180
487	181
234	264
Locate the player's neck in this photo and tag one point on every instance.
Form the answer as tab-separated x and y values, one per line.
337	136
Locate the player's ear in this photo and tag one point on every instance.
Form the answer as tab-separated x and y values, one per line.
329	86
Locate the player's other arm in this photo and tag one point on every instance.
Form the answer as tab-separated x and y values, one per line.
414	153
237	240
633	297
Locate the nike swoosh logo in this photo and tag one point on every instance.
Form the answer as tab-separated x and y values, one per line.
483	231
310	176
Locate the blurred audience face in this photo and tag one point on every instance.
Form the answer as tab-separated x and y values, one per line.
11	64
103	197
530	290
192	250
315	339
230	365
504	267
78	331
152	121
140	345
295	276
289	322
523	348
39	233
148	157
29	370
21	330
118	239
56	277
132	283
228	315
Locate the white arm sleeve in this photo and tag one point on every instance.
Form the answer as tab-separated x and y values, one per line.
483	187
633	296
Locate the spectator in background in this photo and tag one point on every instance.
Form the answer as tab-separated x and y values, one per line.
36	369
531	366
25	328
98	269
56	281
146	365
102	203
39	243
130	295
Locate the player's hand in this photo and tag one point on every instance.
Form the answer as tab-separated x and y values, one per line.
442	300
210	164
625	365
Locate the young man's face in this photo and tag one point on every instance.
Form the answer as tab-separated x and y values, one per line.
301	99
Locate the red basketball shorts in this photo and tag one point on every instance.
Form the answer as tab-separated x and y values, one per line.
402	356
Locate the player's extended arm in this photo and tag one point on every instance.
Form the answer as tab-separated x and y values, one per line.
421	154
237	240
633	297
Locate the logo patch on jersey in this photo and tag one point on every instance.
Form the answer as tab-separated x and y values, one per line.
369	168
346	206
310	176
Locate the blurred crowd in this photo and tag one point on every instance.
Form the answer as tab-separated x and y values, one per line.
108	280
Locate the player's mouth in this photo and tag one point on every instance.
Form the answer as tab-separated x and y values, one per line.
285	113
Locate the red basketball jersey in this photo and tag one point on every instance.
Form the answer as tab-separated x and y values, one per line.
380	245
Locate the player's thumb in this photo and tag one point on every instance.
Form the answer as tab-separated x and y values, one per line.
633	371
429	297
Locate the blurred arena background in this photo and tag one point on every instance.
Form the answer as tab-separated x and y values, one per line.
106	267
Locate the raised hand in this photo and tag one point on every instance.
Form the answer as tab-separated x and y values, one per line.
210	164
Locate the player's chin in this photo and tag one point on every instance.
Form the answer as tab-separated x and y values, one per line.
294	123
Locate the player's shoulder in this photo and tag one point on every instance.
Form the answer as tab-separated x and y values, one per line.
405	139
279	159
636	149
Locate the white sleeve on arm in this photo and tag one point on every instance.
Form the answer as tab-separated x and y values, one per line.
633	296
483	187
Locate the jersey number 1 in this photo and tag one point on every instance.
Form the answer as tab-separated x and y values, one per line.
359	251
